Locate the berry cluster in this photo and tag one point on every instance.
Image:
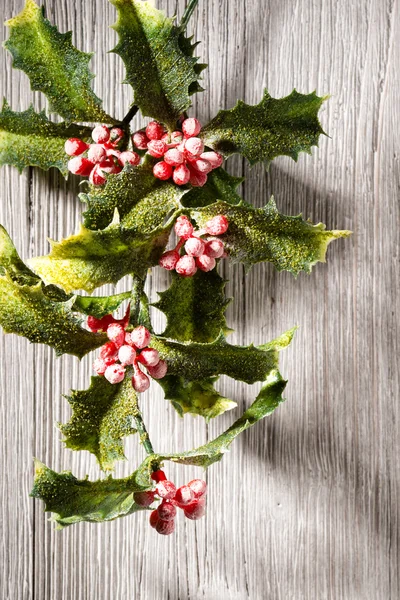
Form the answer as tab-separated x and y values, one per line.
200	253
125	349
182	153
190	498
94	160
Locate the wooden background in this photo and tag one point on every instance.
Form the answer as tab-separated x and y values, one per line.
306	504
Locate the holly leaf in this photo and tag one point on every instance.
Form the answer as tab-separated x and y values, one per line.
220	186
274	127
90	259
101	305
161	74
73	500
188	47
194	307
143	202
102	416
26	310
29	139
263	234
195	397
53	65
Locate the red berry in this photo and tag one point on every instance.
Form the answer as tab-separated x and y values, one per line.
149	357
116	334
173	139
144	498
162	170
158	475
154	518
116	135
217	225
75	147
154	130
195	510
109	350
194	246
169	259
156	148
198	487
140	337
191	127
130	158
214	248
100	134
194	147
140	140
165	527
197	179
126	355
108	166
174	157
181	175
99	324
184	495
96	153
186	266
96	176
166	489
100	366
183	227
205	263
213	158
114	373
201	165
80	166
166	511
140	381
159	371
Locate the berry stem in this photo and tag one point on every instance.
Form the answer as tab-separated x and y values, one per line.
137	293
187	14
130	114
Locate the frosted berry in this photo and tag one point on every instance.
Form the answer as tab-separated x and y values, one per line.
173	157
154	130
198	487
194	246
126	355
201	165
100	134
99	324
156	148
217	225
181	175
96	176
96	153
214	248
140	140
205	263
116	334
75	147
213	158
159	371
116	135
169	259
114	373
162	170
158	475
191	127
183	227
108	166
184	495
80	166
100	366
194	147
186	266
154	518
197	179
140	381
173	139
195	510
165	527
166	511
140	337
130	158
144	498
149	357
166	489
109	350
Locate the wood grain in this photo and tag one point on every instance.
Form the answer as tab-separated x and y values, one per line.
306	505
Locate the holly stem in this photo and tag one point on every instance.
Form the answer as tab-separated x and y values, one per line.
187	14
137	292
141	427
130	114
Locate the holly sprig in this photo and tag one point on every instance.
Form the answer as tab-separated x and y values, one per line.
145	187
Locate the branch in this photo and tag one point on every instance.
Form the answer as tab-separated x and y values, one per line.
187	14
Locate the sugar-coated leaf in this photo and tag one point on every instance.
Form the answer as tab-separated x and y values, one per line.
90	259
195	397
102	416
263	234
101	305
29	139
159	65
53	65
220	186
26	310
143	202
274	127
195	307
73	500
188	47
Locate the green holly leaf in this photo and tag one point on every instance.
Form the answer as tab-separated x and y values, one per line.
188	47
143	202
161	74
274	127
101	305
26	310
73	500
195	307
220	186
263	234
53	65
102	416
29	139
195	397
90	259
